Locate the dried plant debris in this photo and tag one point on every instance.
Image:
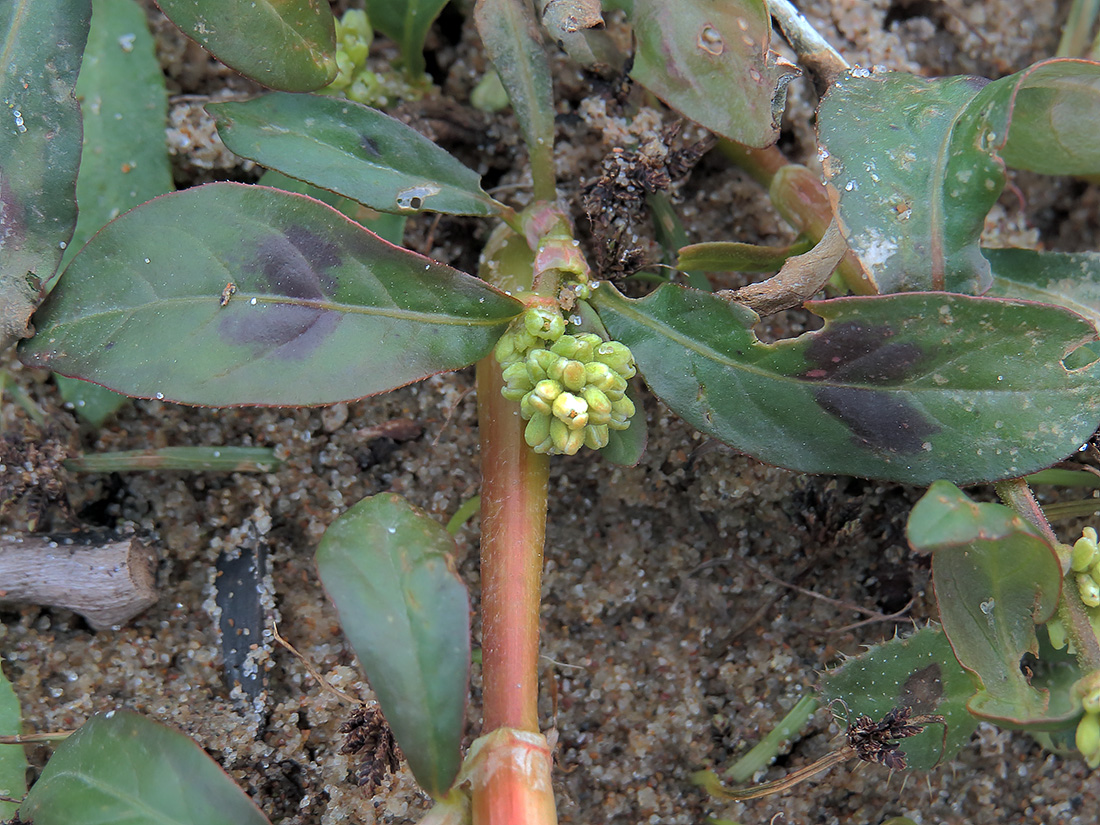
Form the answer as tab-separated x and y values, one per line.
367	734
615	201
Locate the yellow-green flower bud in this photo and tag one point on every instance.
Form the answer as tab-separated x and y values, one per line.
505	350
541	398
617	356
538	362
623	408
1057	633
515	394
544	323
1083	556
1088	735
586	347
573	375
525	341
566	346
1091	701
595	436
537	430
599	407
599	375
515	375
1089	590
357	50
571	410
617	389
566	441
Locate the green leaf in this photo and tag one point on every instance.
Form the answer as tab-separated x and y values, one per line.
727	256
711	62
918	672
388	568
1069	279
513	42
905	387
323	309
387	226
284	44
39	148
125	159
352	150
406	22
995	580
1052	108
13	760
123	768
913	177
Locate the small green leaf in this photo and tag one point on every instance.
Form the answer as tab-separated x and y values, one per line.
388	568
1052	108
406	22
13	760
513	42
123	768
909	387
125	159
39	148
284	44
321	310
918	672
711	62
352	150
719	256
913	176
1069	279
995	580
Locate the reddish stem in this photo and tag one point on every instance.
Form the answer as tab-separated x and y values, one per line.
513	529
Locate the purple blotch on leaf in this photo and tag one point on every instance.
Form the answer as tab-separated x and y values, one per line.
292	265
369	146
852	353
285	331
295	264
877	419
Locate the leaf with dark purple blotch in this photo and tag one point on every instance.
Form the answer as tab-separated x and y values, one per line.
911	387
228	294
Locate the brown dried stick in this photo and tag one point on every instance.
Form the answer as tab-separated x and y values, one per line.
108	583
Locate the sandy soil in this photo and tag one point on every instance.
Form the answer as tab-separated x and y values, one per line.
665	647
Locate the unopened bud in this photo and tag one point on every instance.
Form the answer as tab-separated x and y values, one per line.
1088	734
617	356
1084	554
566	346
566	441
1089	590
596	436
537	430
544	323
538	361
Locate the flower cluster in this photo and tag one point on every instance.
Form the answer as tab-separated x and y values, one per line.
1085	569
354	80
571	389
